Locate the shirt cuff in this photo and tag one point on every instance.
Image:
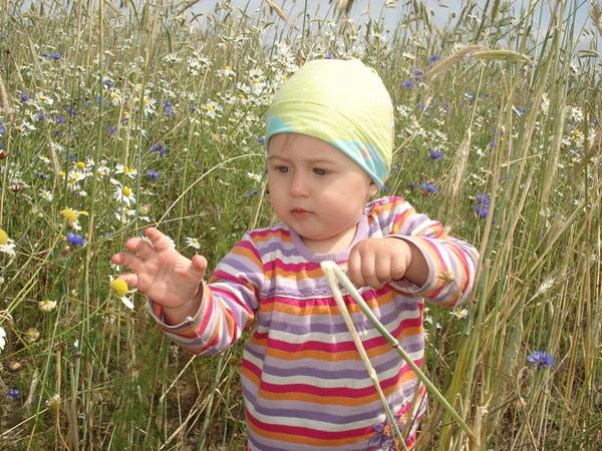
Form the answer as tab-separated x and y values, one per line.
157	313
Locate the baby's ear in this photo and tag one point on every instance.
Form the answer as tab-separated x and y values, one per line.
372	189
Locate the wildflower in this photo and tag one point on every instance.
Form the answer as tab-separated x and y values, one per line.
32	334
541	358
46	305
70	215
108	83
429	188
60	119
23	97
75	239
407	84
519	110
460	314
2	338
70	110
418	74
435	154
13	393
126	170
168	108
2	128
119	286
481	207
328	56
52	56
123	193
193	243
261	140
121	289
254	177
111	130
152	175
158	148
434	58
227	71
6	244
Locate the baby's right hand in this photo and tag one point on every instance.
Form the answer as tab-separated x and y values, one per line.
159	271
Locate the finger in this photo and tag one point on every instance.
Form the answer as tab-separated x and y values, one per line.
369	270
158	239
354	268
198	267
141	247
383	269
127	259
398	268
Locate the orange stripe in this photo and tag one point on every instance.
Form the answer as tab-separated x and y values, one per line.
400	221
334	356
373	303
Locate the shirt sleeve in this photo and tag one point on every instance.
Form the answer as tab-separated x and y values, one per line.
228	306
451	262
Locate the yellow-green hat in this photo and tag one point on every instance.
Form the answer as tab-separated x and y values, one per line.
344	103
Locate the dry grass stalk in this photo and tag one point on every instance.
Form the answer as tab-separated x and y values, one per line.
595	12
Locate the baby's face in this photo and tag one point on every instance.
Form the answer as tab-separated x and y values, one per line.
316	189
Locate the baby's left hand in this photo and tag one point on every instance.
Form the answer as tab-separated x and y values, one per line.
377	261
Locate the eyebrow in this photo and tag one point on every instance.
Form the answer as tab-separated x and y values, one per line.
312	161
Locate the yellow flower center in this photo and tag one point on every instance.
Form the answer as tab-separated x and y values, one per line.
120	287
69	214
81	164
126	191
3	237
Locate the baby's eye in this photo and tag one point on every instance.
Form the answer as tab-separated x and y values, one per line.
281	169
320	171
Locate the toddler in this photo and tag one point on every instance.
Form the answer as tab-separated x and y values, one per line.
329	136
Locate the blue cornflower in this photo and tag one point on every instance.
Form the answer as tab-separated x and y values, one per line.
108	83
152	175
541	358
418	74
111	130
481	206
421	106
411	186
23	97
39	116
435	154
520	110
13	393
168	108
328	56
71	111
192	107
52	56
2	128
407	84
60	119
261	140
434	58
429	188
75	239
159	148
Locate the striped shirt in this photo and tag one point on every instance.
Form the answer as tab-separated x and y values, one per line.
304	385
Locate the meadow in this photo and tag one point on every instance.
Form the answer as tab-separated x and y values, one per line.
114	118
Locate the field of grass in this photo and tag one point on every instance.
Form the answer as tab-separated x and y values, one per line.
113	118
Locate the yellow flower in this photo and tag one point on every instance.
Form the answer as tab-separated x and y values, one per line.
69	214
119	286
3	237
126	191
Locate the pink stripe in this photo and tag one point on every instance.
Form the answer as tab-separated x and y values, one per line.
379	293
295	267
307	432
342	346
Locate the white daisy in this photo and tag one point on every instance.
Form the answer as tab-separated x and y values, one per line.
193	243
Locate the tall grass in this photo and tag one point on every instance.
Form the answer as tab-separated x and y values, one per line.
90	87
